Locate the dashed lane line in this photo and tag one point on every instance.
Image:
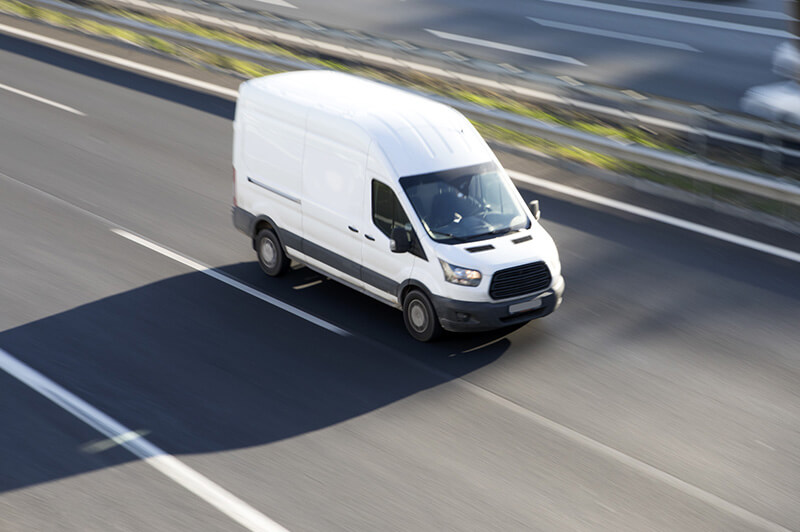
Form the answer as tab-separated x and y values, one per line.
504	47
279	3
39	99
686	19
127	63
614	35
165	463
714	8
230	281
191	263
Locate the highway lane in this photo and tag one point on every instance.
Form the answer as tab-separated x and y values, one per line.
674	349
702	52
50	476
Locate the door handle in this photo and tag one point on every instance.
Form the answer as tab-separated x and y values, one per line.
353	229
371	239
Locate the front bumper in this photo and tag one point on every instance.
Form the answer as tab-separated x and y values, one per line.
463	316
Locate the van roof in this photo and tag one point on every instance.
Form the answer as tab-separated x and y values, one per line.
417	135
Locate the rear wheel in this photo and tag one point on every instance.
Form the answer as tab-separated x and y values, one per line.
271	257
420	317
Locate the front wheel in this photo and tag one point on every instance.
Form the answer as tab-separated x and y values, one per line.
271	257
420	317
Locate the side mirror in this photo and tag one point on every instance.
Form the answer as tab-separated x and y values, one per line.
400	241
534	206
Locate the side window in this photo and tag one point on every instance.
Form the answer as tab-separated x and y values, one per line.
387	213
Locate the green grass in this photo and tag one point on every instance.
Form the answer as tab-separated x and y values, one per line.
250	69
244	68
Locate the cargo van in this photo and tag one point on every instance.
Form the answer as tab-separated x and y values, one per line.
392	194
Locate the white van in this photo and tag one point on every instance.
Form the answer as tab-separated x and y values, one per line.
392	194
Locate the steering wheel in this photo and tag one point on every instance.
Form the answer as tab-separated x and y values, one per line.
471	207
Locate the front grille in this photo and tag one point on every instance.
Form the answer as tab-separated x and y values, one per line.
520	280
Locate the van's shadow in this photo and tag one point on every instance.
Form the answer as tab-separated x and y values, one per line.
205	368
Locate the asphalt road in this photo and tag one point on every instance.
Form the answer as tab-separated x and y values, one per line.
662	395
701	52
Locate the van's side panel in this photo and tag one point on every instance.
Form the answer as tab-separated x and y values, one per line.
334	175
270	165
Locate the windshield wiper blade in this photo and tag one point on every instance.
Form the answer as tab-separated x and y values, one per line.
496	232
450	235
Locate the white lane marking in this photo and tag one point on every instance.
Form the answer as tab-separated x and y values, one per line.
42	100
652	215
662	15
614	34
167	464
230	281
704	6
279	3
633	463
99	446
184	260
166	74
505	47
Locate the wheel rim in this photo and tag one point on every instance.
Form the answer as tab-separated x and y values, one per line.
418	315
268	252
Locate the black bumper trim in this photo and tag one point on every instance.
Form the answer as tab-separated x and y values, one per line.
484	316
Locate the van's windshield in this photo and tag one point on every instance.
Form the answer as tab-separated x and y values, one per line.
465	204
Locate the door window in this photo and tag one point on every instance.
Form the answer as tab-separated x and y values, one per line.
387	213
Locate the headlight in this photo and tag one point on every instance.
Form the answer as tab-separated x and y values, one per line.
458	275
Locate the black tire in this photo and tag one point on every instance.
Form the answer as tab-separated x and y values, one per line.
270	253
420	317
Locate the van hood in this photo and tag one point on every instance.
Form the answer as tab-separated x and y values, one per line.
505	251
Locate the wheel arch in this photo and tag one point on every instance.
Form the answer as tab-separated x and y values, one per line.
411	284
262	222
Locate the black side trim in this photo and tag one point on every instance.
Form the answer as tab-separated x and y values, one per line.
334	260
290	239
246	223
243	221
379	281
351	268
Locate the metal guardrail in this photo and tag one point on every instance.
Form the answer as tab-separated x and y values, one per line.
696	122
757	184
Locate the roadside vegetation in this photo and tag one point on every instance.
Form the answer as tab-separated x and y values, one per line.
568	118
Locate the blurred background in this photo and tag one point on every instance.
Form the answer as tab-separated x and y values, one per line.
155	379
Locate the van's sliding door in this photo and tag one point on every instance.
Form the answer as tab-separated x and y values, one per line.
333	194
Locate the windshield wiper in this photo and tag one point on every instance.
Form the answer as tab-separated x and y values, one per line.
449	235
496	232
